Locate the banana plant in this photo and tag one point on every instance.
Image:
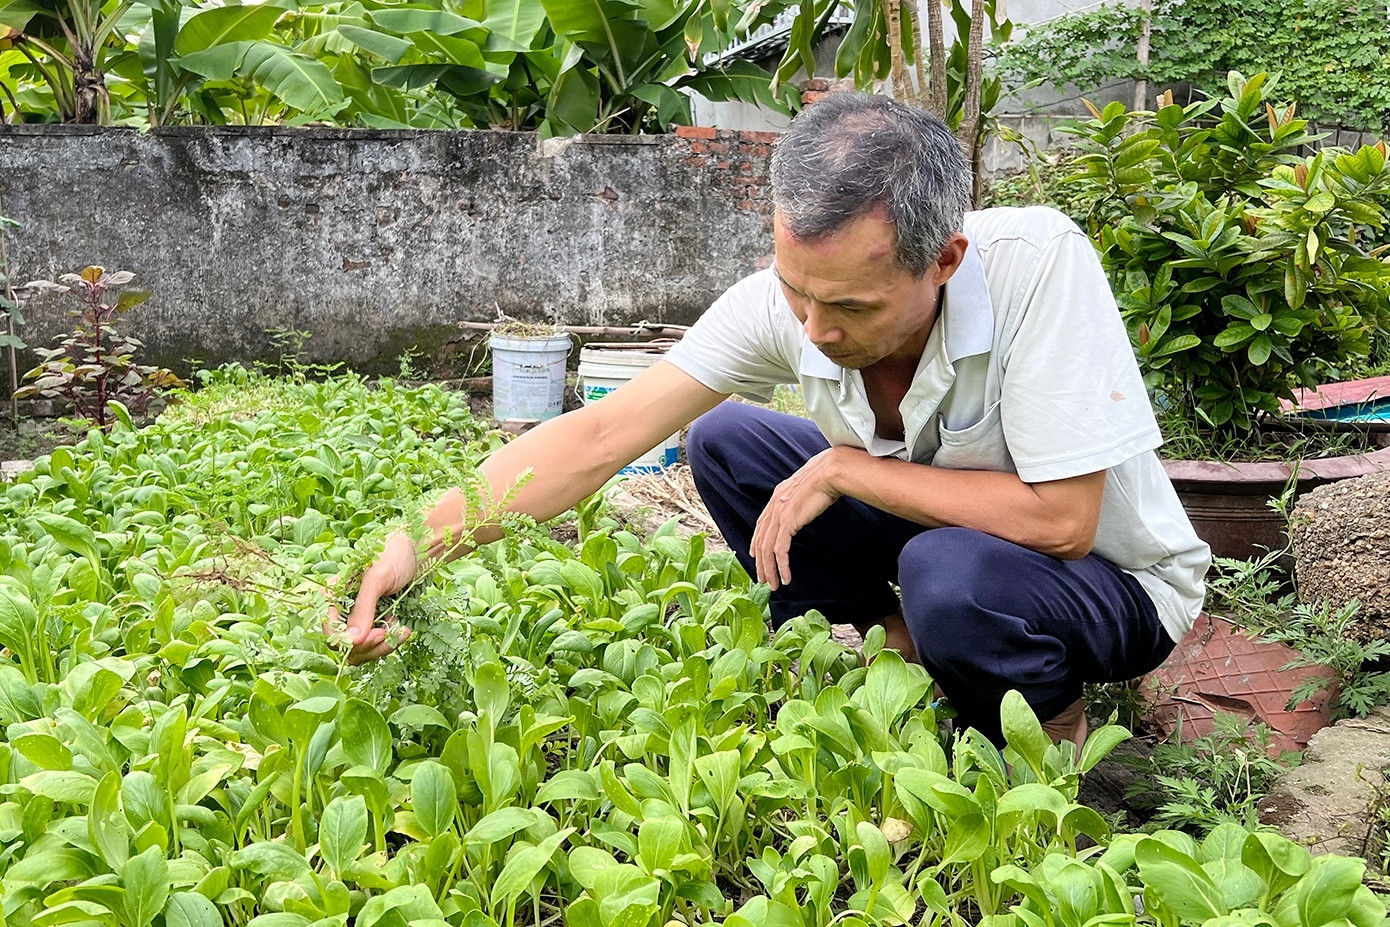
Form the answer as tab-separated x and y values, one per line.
240	45
883	40
66	41
625	62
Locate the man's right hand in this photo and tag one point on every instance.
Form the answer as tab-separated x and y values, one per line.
542	473
391	573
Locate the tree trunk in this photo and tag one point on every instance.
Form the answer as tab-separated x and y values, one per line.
977	180
89	88
937	47
893	15
1141	84
969	131
919	42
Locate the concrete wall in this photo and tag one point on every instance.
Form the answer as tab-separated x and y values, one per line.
375	241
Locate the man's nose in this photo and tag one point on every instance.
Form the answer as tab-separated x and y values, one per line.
817	328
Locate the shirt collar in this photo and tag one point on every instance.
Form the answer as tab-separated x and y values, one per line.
815	364
967	310
966	314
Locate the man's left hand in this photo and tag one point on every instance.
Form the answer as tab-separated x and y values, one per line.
795	502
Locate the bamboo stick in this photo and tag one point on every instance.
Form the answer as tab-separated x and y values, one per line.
612	331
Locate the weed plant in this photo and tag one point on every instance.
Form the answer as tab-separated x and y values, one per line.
1319	632
1221	778
290	345
94	364
1122	703
1255	594
1280	440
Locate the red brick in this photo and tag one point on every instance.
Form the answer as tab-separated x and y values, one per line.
815	83
765	138
707	132
812	97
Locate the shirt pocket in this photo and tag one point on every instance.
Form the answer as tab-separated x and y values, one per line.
979	446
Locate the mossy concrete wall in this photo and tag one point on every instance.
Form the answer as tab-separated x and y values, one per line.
376	241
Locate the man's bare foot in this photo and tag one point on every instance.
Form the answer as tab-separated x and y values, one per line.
899	638
1070	724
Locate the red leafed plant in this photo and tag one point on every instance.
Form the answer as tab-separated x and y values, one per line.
95	364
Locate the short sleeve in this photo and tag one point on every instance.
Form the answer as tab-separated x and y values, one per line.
736	346
1072	398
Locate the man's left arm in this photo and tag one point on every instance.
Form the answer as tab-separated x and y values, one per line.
1057	517
1073	405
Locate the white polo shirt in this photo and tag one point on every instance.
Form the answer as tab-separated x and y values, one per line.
1028	370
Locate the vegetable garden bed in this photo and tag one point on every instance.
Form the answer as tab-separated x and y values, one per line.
595	734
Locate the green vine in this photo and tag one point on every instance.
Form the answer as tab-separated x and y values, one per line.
1333	55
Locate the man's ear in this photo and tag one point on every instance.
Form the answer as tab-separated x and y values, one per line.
950	259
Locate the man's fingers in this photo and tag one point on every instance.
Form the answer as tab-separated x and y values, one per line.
766	574
377	645
755	547
783	560
362	617
766	557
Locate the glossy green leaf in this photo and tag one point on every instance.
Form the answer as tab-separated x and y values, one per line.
107	827
146	881
433	798
190	909
499	825
1023	731
223	25
524	865
343	831
1178	882
366	736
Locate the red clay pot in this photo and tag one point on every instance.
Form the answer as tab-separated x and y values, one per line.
1217	668
1229	502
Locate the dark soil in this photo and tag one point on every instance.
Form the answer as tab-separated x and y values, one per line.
1105	788
29	441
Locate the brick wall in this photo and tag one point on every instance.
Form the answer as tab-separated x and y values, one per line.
738	161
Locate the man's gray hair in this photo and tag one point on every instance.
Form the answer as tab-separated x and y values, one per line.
853	153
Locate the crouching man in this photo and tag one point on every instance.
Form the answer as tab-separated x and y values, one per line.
978	470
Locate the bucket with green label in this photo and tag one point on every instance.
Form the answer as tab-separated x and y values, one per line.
606	367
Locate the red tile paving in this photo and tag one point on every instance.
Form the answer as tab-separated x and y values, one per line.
1346	393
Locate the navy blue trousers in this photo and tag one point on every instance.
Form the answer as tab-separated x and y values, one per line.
986	615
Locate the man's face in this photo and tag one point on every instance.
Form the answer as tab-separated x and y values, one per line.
853	301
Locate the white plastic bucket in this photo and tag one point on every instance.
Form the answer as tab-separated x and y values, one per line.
605	367
528	376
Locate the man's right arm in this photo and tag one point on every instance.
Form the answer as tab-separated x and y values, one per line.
568	458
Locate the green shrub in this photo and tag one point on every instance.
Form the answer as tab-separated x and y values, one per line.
1047	181
1241	268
